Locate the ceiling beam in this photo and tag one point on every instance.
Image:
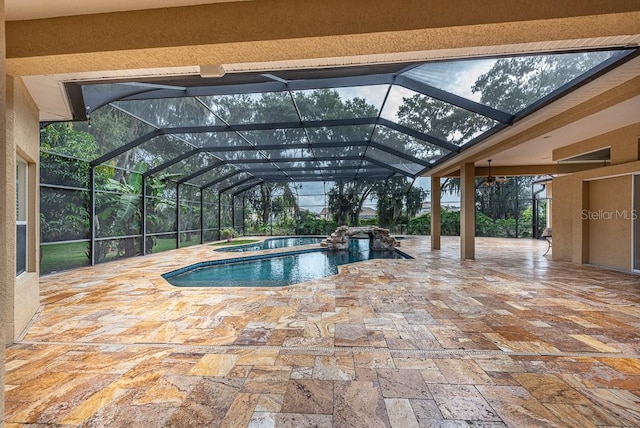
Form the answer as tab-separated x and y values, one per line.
456	100
171	162
419	135
284	146
269	126
201	171
387	166
125	148
248	187
335	177
238	184
358	121
297	159
325	168
221	179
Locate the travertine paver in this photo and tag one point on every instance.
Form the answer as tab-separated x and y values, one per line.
511	339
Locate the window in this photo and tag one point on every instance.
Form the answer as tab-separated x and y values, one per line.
21	217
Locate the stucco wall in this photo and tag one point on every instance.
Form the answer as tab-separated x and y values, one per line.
23	136
623	143
610	222
592	209
562	217
285	30
605	242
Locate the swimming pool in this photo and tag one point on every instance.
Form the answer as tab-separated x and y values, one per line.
271	243
275	270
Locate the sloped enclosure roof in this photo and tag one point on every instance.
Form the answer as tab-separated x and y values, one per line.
354	123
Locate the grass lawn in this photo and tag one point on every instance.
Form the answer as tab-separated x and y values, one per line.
58	257
63	256
164	244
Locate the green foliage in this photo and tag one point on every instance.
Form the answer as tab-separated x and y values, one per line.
449	222
369	221
229	233
420	225
64	139
397	201
273	199
63	213
309	224
485	225
346	200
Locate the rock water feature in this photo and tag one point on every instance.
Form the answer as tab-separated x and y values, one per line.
379	238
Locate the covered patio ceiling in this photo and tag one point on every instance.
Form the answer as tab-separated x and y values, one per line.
237	131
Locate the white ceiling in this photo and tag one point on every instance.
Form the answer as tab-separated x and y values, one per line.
17	10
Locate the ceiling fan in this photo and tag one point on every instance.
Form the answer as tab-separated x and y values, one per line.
490	180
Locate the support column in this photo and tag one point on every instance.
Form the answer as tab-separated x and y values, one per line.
581	240
467	211
435	213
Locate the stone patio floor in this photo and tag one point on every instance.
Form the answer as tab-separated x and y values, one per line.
511	339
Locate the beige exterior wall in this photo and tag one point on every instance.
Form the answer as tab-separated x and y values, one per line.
610	222
23	140
623	143
562	217
467	212
285	30
592	213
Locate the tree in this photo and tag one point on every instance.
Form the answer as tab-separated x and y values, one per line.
277	199
397	201
510	85
346	200
64	151
515	83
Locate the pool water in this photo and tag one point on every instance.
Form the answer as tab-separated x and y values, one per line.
275	270
272	243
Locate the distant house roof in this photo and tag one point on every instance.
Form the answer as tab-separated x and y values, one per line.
367	212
